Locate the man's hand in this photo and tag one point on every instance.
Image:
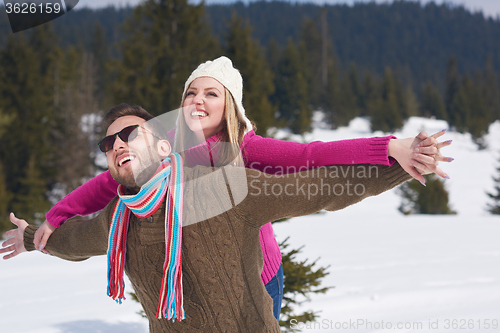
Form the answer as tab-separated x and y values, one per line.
15	244
420	155
42	235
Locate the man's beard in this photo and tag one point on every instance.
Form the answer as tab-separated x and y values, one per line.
149	163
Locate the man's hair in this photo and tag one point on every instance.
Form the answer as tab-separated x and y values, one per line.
124	109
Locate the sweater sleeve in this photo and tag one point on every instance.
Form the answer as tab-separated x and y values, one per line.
274	156
272	197
87	199
76	240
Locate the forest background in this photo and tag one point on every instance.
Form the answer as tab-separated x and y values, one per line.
386	62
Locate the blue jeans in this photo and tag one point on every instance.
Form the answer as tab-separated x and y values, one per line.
275	289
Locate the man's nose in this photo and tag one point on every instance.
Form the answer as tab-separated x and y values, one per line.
119	143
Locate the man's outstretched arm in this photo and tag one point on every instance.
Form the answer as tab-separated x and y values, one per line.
75	240
14	245
331	188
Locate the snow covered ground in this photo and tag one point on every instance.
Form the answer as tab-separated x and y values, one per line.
390	272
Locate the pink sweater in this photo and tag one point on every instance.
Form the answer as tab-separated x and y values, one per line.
265	154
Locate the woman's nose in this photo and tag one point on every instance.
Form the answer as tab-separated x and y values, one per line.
198	99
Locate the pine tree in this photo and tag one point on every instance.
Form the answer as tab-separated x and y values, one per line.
432	104
5	196
462	104
76	87
431	199
300	278
402	100
165	41
330	103
494	206
322	75
247	55
411	103
273	54
291	91
369	94
490	90
452	87
480	117
344	100
488	97
472	103
470	110
100	52
5	120
30	201
350	97
27	74
388	109
311	49
99	47
477	103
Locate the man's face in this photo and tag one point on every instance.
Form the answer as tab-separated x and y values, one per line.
134	162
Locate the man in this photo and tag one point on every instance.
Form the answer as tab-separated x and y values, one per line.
220	287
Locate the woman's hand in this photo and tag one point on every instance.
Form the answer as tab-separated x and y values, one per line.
42	235
420	155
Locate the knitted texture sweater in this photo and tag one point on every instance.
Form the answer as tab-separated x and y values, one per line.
265	154
221	255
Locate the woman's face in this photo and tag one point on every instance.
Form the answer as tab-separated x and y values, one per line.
203	106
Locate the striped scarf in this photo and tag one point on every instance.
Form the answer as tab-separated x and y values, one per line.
168	178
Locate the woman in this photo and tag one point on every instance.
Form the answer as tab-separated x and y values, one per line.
212	128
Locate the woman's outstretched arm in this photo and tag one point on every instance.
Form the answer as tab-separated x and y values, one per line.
274	156
87	199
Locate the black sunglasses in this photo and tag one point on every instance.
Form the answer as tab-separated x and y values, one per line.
127	134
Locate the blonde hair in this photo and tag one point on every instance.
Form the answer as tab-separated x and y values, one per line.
231	135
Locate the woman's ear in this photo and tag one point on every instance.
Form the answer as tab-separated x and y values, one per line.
164	148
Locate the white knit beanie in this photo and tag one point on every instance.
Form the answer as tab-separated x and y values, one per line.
223	71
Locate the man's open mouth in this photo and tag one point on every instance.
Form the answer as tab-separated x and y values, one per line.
125	160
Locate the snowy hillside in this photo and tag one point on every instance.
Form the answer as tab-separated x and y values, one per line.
390	272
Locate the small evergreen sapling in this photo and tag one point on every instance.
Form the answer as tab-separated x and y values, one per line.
429	199
300	279
494	207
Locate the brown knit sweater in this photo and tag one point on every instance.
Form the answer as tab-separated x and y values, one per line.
222	258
